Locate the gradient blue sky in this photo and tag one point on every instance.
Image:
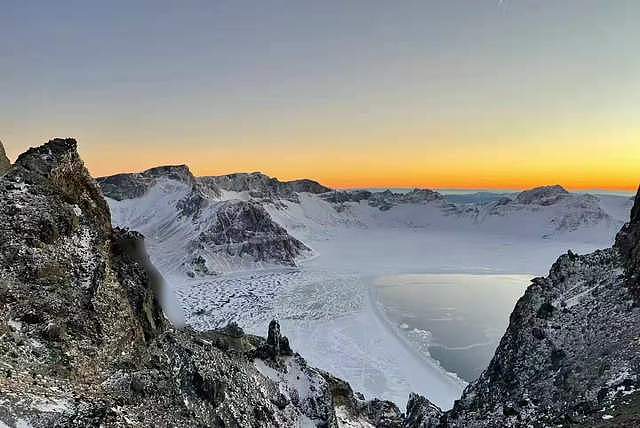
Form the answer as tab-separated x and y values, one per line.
353	93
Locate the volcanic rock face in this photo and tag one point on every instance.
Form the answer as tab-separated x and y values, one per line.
383	200
246	229
546	195
130	186
387	199
83	340
557	362
4	160
570	350
265	188
341	196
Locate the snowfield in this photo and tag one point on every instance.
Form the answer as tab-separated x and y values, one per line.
324	303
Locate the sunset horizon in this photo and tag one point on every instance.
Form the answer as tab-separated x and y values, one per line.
481	94
481	177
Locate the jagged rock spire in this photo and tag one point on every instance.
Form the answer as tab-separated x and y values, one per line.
277	345
57	164
4	160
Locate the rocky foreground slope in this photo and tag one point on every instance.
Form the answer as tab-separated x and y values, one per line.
84	342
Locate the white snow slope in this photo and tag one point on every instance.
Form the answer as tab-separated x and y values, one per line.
324	304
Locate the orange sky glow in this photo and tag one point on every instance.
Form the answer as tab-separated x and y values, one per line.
464	95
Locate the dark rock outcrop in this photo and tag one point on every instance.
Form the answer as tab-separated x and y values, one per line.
304	185
141	279
341	196
277	345
4	160
245	229
388	199
134	185
382	200
421	413
545	195
265	188
352	407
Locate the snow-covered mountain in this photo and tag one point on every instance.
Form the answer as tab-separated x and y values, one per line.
541	213
265	188
194	230
199	226
208	225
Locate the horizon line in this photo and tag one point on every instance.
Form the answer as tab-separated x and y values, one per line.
501	189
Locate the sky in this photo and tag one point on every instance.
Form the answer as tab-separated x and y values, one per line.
438	94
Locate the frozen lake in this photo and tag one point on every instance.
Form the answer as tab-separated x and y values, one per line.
344	310
456	319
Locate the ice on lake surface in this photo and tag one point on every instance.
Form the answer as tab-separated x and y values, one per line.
457	319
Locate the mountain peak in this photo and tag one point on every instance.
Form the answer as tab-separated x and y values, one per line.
543	195
57	165
262	186
45	159
173	172
133	185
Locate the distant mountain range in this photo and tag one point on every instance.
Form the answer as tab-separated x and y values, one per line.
210	225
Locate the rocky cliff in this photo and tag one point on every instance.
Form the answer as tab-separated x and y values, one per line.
4	161
244	229
570	356
545	195
134	185
628	243
265	188
385	200
84	341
